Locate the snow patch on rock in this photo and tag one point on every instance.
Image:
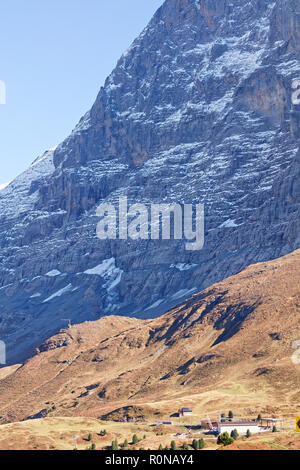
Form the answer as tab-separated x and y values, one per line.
4	185
183	293
59	293
16	198
53	273
229	224
108	271
183	266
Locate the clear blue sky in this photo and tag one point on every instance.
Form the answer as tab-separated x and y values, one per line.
54	57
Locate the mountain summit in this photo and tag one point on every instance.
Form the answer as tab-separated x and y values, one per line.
198	110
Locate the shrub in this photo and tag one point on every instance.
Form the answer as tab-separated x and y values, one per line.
173	445
115	445
90	437
274	429
201	443
160	447
230	414
93	446
248	433
135	439
225	439
234	434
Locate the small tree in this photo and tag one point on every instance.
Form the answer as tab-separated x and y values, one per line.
234	434
225	439
160	447
248	433
125	444
135	439
93	446
173	445
259	417
201	443
115	445
230	414
145	437
194	444
185	446
274	429
90	437
222	417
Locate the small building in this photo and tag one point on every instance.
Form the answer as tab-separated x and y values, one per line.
269	423
185	412
241	426
207	426
164	423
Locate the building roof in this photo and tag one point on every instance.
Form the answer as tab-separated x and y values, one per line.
186	409
270	419
164	422
238	423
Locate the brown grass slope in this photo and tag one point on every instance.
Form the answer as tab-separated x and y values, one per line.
229	345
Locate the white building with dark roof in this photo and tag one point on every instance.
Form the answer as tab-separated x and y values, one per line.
185	412
241	426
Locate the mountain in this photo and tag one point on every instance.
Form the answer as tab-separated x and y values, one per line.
198	110
228	346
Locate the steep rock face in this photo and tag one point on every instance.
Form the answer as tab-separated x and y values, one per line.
198	109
